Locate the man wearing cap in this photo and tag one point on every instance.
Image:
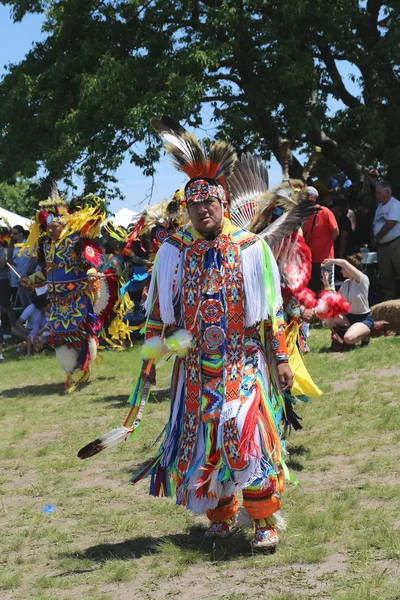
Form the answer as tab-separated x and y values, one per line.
320	232
387	236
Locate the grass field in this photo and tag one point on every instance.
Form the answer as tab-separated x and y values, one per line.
107	540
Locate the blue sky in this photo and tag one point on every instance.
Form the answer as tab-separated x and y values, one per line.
16	40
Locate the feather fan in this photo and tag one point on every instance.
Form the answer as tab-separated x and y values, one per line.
287	223
286	195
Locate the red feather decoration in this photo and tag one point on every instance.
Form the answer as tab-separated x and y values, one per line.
294	259
331	305
307	298
92	254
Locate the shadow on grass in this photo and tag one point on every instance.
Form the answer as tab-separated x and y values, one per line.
121	400
295	465
140	466
158	396
335	354
115	401
234	547
298	450
45	389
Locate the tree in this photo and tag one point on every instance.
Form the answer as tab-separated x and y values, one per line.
82	99
17	197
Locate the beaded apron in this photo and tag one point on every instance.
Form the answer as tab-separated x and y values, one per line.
213	297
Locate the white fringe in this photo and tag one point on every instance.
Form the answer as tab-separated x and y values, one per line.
67	358
280	523
92	349
165	273
256	302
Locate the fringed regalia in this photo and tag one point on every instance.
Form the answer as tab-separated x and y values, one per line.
222	436
215	300
73	323
79	310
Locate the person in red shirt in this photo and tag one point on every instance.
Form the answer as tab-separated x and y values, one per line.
320	231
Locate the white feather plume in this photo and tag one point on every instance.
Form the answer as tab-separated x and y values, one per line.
248	184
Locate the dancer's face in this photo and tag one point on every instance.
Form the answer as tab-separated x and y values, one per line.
17	236
54	230
206	216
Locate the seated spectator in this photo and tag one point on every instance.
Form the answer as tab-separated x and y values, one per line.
354	289
39	335
25	323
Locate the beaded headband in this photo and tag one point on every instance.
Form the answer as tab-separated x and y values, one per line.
200	190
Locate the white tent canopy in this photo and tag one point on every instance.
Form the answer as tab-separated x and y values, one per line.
14	219
124	217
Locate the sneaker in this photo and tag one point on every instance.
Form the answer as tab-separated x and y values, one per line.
221	529
366	341
265	536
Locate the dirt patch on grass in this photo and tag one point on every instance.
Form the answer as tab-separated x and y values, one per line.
345	384
380	374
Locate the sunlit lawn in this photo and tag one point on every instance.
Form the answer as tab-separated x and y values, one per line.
107	540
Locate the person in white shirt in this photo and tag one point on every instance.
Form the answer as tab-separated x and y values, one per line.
24	324
387	236
355	290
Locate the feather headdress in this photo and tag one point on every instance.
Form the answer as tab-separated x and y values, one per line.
85	219
188	155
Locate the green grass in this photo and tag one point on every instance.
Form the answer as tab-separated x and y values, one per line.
107	540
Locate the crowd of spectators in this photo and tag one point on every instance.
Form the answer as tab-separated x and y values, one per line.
334	234
347	225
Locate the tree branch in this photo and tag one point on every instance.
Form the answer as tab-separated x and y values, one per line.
331	150
337	82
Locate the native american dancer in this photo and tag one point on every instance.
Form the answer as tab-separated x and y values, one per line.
72	260
221	285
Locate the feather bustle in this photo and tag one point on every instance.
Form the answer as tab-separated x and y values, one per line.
248	184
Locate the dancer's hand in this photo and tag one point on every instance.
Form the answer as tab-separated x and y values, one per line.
151	376
24	281
285	376
93	276
307	315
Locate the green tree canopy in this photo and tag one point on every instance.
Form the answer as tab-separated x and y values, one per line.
18	198
82	99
